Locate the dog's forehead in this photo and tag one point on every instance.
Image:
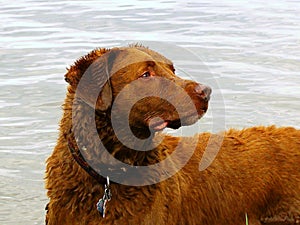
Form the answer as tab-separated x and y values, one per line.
133	55
128	56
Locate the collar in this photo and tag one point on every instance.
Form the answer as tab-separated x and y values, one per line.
116	172
75	151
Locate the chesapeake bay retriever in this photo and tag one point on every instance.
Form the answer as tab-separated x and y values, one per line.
103	168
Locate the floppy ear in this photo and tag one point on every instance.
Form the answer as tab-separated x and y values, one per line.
92	78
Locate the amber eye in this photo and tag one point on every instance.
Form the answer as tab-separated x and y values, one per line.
146	75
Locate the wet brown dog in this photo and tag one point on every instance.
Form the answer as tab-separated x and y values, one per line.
256	172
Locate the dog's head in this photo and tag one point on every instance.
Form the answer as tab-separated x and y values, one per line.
140	85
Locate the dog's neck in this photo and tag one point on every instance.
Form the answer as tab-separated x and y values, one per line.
102	152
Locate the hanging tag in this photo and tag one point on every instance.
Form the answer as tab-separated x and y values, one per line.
101	204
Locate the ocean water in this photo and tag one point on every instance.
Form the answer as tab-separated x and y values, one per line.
249	52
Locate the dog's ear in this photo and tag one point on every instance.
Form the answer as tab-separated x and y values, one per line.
91	78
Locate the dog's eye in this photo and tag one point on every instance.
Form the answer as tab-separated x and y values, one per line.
146	75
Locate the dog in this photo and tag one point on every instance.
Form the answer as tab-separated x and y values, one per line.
104	170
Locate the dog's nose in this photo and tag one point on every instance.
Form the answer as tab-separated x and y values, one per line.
203	91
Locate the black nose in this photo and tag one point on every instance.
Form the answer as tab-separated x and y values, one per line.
203	91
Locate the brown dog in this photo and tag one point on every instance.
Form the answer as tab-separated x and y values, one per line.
122	97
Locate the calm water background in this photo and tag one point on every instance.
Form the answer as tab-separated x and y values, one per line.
248	51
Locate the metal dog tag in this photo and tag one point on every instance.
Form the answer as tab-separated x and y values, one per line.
101	204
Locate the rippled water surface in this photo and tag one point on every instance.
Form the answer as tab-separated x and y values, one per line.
248	52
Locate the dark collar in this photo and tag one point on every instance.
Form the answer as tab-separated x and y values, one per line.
75	151
115	172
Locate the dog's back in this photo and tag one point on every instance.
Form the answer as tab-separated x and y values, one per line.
256	171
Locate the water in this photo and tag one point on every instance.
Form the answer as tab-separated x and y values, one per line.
250	53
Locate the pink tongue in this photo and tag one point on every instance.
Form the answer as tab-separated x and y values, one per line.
161	126
157	123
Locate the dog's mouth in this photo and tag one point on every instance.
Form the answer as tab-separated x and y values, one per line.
158	124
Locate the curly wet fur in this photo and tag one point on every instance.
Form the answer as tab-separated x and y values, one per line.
256	172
